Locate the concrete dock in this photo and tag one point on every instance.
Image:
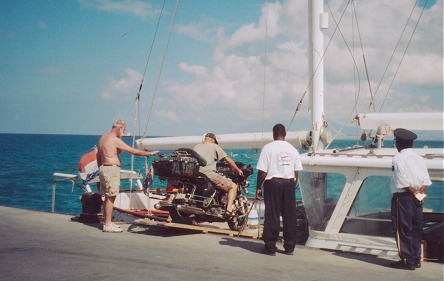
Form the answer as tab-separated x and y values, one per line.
46	246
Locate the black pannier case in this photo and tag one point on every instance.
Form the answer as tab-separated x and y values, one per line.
176	166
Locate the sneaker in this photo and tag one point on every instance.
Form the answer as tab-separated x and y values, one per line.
418	265
111	229
290	253
115	225
402	265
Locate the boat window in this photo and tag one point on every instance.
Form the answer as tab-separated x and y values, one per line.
370	213
320	192
434	203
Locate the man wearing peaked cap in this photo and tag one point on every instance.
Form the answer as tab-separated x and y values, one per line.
408	184
404	135
211	136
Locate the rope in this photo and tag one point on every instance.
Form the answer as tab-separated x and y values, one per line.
246	218
149	56
406	48
365	63
265	73
393	53
338	132
317	67
161	69
137	99
372	103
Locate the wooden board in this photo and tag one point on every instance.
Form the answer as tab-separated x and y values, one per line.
205	227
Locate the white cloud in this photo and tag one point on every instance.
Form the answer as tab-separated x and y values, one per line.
241	85
122	87
428	69
205	29
257	32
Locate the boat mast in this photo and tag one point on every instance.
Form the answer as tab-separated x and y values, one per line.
318	20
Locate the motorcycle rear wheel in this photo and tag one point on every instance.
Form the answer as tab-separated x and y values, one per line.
182	218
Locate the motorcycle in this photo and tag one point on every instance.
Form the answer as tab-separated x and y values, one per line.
191	197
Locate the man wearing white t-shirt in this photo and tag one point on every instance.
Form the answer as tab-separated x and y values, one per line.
408	184
278	168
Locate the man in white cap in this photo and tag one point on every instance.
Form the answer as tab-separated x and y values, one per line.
108	160
408	184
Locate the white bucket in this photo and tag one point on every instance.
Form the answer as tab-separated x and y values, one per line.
253	218
259	207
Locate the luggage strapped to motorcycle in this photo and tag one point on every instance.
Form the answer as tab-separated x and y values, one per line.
182	162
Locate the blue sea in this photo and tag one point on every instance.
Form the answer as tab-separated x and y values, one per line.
29	162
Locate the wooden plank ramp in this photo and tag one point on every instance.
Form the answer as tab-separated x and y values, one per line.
206	227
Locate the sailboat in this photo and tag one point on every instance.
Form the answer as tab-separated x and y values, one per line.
345	191
338	186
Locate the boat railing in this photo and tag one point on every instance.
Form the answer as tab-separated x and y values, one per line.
77	181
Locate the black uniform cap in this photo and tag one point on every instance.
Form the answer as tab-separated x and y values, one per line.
404	135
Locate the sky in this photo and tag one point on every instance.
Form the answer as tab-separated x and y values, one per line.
74	66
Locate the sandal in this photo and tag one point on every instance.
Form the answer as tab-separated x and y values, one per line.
230	213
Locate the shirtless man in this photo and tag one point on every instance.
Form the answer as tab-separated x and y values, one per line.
108	160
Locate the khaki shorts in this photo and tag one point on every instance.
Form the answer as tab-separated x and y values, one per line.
222	183
109	180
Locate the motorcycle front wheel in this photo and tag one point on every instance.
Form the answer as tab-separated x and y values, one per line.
238	222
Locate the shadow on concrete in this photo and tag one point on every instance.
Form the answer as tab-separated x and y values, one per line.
255	246
364	258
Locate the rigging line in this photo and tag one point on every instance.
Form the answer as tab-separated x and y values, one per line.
317	67
149	58
137	99
297	108
355	64
356	75
338	132
161	68
265	71
403	55
394	50
151	49
372	104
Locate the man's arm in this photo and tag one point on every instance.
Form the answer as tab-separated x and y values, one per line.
418	194
414	191
261	175
233	165
124	147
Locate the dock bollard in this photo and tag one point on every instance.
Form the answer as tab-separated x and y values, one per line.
91	207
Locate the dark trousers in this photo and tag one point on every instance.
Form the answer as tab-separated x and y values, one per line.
407	224
279	198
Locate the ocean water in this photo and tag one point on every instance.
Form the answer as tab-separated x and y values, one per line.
29	162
